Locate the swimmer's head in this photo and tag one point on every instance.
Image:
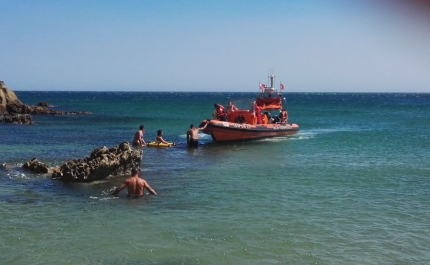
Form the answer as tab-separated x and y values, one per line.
191	126
135	171
141	127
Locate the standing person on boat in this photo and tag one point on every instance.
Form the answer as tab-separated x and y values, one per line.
257	113
193	135
159	139
135	185
284	116
231	107
138	137
220	113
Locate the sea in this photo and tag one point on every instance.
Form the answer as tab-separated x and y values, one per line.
351	187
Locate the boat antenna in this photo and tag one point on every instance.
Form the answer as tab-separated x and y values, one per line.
272	77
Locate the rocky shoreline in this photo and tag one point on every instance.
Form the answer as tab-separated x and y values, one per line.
12	110
101	163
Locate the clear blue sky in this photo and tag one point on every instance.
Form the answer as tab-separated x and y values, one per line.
312	46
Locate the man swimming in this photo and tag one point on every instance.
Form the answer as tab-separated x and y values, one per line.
135	185
193	135
138	137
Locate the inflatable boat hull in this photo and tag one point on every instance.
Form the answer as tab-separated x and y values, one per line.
222	131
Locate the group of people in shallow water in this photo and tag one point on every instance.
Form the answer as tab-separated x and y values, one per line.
136	185
138	137
221	114
192	136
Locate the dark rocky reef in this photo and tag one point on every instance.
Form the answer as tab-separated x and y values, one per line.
12	110
36	166
18	119
43	104
100	164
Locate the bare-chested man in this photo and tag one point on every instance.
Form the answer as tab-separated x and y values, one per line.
138	137
193	135
135	185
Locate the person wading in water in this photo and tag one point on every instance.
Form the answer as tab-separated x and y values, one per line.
138	137
135	185
193	135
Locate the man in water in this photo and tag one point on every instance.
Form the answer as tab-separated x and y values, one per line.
193	135
138	137
135	185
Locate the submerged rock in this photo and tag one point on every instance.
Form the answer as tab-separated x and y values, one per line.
100	164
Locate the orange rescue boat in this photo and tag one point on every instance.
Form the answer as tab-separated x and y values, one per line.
248	119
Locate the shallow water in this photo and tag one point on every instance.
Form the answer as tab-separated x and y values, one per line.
350	188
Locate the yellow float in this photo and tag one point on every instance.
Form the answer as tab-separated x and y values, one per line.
154	144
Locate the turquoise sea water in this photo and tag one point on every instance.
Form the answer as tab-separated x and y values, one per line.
352	187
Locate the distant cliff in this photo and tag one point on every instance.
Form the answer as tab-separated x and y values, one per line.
7	96
12	110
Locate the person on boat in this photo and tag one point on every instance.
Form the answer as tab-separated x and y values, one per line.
159	139
257	113
284	116
138	137
135	185
231	107
193	135
269	117
241	119
220	113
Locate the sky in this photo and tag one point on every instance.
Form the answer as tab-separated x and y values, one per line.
198	45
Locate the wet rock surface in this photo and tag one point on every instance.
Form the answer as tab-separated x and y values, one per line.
35	166
43	104
17	119
100	164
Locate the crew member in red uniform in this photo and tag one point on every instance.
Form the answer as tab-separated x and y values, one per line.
220	112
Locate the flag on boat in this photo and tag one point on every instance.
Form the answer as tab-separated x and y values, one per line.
262	86
282	86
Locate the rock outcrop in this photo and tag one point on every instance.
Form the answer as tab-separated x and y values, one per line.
35	166
100	164
7	97
18	119
37	110
43	104
12	109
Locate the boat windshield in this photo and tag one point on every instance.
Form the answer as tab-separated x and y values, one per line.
243	103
